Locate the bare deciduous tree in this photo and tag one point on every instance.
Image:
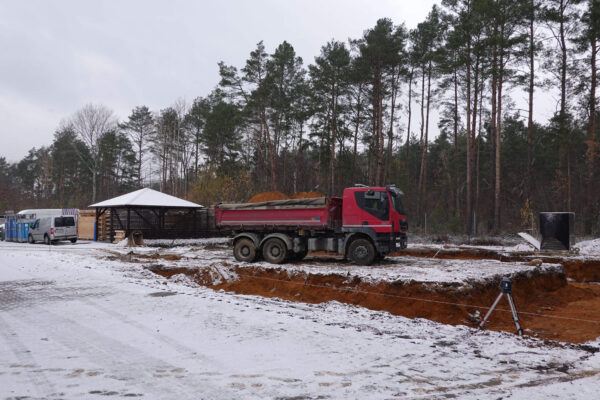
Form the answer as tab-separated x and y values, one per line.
90	123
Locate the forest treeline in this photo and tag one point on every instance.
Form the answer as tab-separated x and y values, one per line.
362	113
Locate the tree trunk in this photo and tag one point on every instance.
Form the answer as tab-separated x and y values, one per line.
563	103
592	189
410	81
333	138
140	146
356	128
498	136
390	145
494	105
469	208
425	147
422	146
528	181
270	149
196	157
380	145
456	177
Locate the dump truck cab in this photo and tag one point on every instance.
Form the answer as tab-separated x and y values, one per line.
376	213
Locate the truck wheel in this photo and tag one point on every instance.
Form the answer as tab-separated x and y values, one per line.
46	240
361	251
244	250
274	251
74	240
30	239
298	256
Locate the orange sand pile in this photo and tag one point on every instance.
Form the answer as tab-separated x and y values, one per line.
268	196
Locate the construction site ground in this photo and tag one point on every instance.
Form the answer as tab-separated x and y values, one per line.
184	317
557	294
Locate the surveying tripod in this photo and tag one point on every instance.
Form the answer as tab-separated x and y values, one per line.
506	286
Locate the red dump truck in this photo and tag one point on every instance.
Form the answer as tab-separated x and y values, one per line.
364	225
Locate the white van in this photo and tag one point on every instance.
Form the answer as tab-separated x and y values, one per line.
52	229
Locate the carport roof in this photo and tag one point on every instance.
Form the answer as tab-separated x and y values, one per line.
146	198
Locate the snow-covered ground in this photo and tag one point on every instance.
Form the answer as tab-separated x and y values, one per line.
589	247
76	324
459	273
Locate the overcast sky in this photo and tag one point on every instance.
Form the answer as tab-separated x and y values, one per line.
57	56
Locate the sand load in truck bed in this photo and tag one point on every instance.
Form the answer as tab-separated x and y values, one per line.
268	196
277	204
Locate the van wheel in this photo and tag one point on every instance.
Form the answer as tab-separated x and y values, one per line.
74	240
30	239
46	240
362	252
274	251
244	250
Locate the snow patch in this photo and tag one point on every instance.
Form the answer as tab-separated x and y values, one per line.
589	247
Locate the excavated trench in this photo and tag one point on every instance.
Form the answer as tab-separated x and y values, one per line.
580	269
550	306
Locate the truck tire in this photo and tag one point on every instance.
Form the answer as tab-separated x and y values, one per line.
274	251
30	239
361	252
46	240
74	240
244	250
298	256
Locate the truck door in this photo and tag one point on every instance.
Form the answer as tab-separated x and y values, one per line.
374	209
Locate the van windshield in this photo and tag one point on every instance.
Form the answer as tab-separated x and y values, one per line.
64	221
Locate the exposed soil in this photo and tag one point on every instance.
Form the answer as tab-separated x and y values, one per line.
548	294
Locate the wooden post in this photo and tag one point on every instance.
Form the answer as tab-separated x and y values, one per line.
96	225
128	223
111	232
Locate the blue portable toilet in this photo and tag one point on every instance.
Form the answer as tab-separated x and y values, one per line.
11	229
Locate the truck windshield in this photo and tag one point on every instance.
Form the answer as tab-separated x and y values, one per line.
397	203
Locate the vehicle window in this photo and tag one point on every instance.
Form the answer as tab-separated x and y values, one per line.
68	221
397	203
58	222
378	208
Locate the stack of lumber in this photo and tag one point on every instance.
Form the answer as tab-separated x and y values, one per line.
86	225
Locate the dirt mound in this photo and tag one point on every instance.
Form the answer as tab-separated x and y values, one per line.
306	195
268	196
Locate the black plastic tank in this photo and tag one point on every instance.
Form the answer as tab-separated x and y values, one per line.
556	228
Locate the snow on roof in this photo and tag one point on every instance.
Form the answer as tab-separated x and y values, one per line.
147	198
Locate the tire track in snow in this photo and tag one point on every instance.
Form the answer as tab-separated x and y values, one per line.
40	382
182	349
136	366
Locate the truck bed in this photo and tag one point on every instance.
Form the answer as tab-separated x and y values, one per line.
315	214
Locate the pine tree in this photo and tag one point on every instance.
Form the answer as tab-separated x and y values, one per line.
139	127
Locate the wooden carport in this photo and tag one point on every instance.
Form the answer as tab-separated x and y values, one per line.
154	214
